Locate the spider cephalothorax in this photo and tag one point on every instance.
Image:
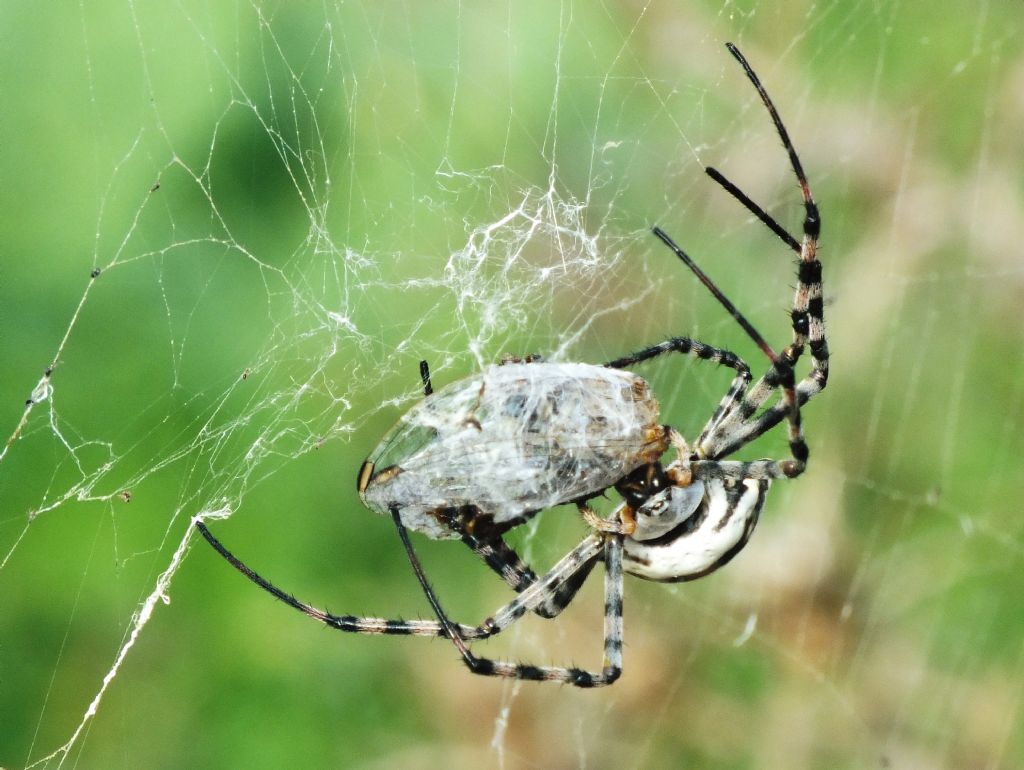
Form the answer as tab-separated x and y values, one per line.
486	453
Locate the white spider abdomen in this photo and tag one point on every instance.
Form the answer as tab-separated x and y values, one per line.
715	532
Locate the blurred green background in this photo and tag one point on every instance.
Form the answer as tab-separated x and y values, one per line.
291	204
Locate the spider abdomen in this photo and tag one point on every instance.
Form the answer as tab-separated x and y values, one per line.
494	448
715	532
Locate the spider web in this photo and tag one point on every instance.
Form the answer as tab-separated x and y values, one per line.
239	229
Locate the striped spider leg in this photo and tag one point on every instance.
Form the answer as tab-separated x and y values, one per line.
740	426
735	422
556	589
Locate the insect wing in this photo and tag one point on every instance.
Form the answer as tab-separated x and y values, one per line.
515	439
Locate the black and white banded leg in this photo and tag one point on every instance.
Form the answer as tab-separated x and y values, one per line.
612	664
739	426
503	559
554	590
701	352
780	365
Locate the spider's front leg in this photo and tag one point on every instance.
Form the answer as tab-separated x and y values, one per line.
807	317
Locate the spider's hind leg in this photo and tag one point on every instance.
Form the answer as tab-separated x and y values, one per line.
503	560
553	590
589	550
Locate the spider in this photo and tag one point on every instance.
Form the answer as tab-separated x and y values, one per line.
486	453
